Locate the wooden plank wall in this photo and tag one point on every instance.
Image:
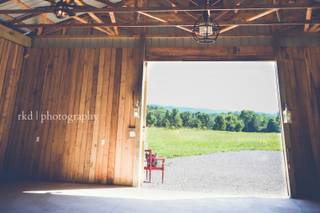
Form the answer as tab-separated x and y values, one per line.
299	76
105	82
11	57
211	53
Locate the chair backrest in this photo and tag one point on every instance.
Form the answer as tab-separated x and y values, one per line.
151	158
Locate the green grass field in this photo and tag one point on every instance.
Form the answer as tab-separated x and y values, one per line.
187	142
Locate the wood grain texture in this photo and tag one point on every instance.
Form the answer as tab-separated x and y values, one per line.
103	82
107	82
211	53
299	76
11	56
15	36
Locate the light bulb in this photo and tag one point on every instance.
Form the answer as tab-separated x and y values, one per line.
205	29
287	119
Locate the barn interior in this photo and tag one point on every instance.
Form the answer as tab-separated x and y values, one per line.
64	62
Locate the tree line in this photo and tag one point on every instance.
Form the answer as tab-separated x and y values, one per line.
244	121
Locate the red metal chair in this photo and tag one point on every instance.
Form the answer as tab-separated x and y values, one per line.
152	164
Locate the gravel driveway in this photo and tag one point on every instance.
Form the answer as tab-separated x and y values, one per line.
253	173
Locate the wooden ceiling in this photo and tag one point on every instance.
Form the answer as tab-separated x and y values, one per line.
162	18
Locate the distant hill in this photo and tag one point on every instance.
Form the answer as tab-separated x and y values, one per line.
204	110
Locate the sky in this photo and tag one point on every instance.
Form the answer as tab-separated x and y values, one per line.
230	86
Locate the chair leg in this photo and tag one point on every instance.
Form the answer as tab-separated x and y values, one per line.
146	175
162	175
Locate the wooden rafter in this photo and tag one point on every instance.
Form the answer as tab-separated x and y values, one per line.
166	13
296	6
25	6
110	4
6	17
250	19
275	2
106	30
23	17
315	28
223	13
172	4
164	21
3	1
112	14
260	15
114	21
176	4
83	21
308	18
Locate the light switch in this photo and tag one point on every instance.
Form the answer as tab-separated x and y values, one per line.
103	141
132	133
37	139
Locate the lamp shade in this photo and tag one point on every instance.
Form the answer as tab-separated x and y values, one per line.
205	29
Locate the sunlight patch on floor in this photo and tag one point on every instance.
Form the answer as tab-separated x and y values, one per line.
136	193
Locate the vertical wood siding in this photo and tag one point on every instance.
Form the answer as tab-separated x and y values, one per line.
105	82
299	76
11	57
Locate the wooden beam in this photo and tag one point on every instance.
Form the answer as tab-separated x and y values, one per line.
107	30
112	14
164	24
176	4
172	4
315	28
292	39
249	19
308	18
15	36
25	6
84	22
165	21
114	21
260	15
110	4
226	29
153	17
223	13
23	17
243	7
85	36
6	17
276	2
245	53
3	1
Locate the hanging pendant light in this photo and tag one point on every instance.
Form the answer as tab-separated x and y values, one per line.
63	9
205	30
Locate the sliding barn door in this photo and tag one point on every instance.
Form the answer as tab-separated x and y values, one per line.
299	78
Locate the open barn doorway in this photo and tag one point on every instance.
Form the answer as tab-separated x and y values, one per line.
218	125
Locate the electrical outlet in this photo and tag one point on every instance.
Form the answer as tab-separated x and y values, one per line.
103	141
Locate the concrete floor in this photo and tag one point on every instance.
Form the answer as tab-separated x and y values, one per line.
16	197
